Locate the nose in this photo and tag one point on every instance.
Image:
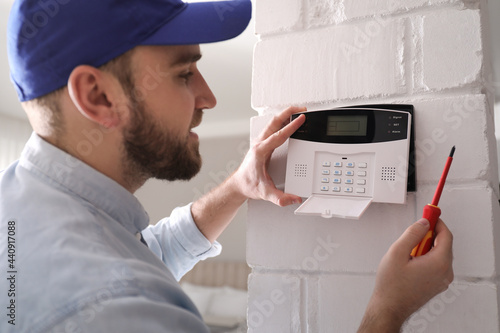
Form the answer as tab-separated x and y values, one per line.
205	98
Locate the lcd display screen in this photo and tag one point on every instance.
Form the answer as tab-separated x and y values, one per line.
355	125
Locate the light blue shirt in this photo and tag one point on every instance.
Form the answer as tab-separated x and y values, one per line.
72	259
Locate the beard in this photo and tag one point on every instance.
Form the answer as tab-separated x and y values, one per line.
152	152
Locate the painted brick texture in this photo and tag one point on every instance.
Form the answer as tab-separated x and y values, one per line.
376	57
277	82
315	274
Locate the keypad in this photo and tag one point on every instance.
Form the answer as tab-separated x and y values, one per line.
349	177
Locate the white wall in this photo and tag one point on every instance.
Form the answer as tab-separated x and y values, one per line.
497	128
315	274
494	21
13	135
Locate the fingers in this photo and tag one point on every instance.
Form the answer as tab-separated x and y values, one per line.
444	249
443	242
280	136
279	121
278	130
442	253
410	238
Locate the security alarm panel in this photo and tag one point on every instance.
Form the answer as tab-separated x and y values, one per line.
343	159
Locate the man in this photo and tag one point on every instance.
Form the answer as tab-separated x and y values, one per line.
76	248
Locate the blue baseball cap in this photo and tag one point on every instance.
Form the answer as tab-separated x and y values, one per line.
47	39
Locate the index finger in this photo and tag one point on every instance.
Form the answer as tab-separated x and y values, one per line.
279	137
279	121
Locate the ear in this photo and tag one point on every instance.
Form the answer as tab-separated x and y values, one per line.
93	93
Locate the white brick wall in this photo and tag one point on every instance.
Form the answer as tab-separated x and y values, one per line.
451	54
464	307
277	80
459	120
315	274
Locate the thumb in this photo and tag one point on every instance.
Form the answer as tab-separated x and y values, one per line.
281	198
412	236
288	199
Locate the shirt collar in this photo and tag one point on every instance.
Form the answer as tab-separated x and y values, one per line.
85	182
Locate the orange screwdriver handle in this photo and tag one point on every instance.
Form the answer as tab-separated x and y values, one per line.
431	213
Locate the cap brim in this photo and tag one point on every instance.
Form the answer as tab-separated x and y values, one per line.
204	22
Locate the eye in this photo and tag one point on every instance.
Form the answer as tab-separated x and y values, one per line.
186	76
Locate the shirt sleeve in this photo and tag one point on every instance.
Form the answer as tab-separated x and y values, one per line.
178	242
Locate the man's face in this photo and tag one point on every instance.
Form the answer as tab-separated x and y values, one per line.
166	102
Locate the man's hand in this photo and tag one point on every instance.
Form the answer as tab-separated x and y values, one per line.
252	176
404	283
215	210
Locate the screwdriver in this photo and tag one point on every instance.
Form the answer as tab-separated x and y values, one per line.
432	212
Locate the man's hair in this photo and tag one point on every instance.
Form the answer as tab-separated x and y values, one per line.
49	108
49	104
